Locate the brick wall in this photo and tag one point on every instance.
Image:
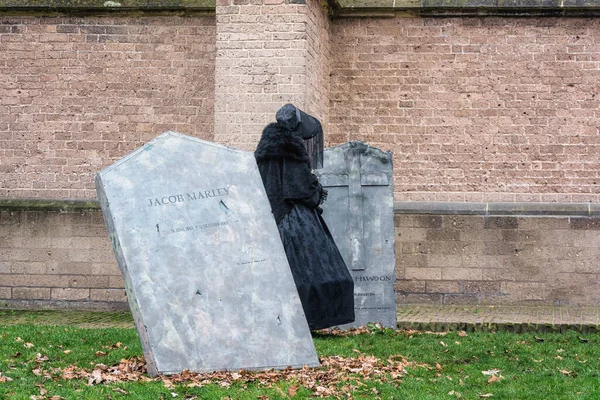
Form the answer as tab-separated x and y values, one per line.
57	259
269	53
76	94
318	63
475	109
447	259
260	65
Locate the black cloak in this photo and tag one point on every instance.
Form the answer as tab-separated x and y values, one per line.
324	283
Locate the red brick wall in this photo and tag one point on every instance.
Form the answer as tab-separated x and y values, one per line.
260	65
318	62
475	109
76	94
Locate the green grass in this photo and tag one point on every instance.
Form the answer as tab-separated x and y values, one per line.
530	368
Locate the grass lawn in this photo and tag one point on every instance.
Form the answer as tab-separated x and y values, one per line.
35	360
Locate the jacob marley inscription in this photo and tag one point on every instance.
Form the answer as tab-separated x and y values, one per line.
205	272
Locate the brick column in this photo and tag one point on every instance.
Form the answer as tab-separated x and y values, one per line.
269	52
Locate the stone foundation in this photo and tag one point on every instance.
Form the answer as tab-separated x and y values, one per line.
53	259
476	259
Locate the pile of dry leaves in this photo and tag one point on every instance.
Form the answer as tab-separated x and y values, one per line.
337	376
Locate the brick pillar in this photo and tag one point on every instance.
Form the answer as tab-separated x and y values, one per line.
269	52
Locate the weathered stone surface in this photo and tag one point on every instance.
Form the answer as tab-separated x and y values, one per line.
205	272
360	214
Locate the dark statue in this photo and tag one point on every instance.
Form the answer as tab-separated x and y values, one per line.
287	152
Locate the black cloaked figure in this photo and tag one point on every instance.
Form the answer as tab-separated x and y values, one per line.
286	154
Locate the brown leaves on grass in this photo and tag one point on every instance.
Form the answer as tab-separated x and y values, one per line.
373	330
336	377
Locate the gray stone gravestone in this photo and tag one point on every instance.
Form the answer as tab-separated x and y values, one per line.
205	272
359	211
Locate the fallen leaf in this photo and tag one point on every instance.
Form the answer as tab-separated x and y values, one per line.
443	344
18	339
537	361
37	372
582	339
43	391
538	339
558	357
566	372
67	351
95	378
461	333
438	366
494	378
40	358
173	394
100	354
28	345
292	390
120	390
485	396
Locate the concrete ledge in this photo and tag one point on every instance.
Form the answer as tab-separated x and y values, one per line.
400	207
49	205
95	6
498	209
521	8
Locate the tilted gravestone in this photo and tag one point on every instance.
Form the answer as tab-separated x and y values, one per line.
205	272
359	211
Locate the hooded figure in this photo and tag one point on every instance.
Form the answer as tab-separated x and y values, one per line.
285	154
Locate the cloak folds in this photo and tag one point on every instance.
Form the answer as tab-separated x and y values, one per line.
324	284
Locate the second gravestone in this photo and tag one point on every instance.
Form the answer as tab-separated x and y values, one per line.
205	272
360	214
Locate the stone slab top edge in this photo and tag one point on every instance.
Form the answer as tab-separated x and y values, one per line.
400	207
362	145
161	138
107	5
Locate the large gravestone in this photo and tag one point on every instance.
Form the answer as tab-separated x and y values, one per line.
359	211
205	272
